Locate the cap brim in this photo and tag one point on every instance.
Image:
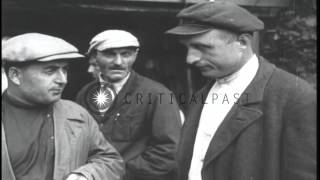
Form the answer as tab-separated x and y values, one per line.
188	29
68	56
112	46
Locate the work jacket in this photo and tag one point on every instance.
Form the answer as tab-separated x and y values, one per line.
144	125
79	147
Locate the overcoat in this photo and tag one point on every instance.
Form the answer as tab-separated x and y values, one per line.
269	134
144	125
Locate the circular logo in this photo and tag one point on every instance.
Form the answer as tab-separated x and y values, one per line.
100	97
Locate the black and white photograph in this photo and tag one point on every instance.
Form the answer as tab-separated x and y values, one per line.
159	90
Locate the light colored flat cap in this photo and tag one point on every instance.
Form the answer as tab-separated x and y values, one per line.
37	47
112	39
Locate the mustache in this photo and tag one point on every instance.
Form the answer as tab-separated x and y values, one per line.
117	68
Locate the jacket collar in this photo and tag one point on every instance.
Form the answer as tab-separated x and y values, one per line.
128	87
61	111
242	114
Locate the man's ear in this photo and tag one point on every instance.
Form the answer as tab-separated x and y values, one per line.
14	74
244	41
137	50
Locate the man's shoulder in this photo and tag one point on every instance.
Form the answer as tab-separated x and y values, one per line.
69	105
70	108
150	84
290	82
286	85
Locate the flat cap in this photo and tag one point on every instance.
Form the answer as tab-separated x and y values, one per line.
112	39
202	17
37	47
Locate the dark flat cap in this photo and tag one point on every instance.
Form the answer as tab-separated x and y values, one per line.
202	17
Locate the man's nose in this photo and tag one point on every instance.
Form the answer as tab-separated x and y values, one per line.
193	56
118	59
61	77
90	69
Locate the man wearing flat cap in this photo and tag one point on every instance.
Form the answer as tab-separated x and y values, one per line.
258	122
139	116
43	136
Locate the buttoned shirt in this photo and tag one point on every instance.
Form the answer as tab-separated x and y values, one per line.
221	97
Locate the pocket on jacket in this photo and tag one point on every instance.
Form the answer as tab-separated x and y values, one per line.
75	128
120	132
127	128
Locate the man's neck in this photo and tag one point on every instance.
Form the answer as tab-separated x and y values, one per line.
234	75
18	100
117	85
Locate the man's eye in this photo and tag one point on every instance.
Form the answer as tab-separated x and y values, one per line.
127	54
203	47
108	54
49	72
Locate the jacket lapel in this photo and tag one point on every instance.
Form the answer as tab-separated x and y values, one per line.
242	114
129	86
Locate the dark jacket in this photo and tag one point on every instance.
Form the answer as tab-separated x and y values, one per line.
79	147
269	135
144	125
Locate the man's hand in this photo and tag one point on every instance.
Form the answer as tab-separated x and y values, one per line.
74	176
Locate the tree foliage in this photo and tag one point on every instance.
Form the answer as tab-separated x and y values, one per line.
291	43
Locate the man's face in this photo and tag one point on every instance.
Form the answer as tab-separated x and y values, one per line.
213	55
42	83
115	64
93	68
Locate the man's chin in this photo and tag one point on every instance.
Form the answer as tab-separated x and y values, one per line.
47	101
208	74
54	99
116	77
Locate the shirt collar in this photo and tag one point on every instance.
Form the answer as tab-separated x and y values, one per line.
116	85
247	70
